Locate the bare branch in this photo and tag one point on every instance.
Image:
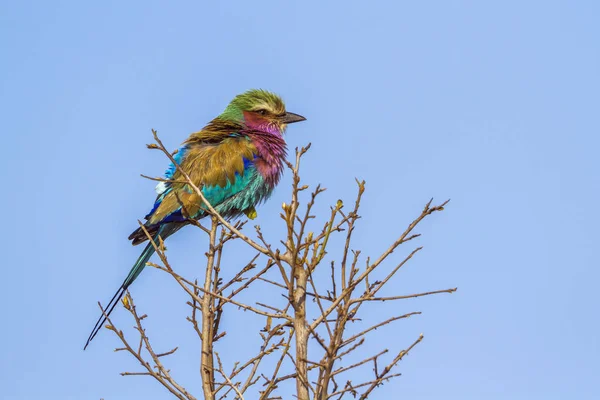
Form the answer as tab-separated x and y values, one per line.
360	300
162	375
384	374
291	323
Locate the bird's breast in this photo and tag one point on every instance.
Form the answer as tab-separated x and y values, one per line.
271	152
269	171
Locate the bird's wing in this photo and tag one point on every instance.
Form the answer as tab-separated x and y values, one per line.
218	169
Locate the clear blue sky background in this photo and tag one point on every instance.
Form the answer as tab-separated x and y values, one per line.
492	104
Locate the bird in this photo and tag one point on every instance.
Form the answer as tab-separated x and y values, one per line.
236	160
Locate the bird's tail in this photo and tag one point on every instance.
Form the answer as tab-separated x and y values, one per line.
133	274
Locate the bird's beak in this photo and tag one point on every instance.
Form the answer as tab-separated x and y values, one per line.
290	118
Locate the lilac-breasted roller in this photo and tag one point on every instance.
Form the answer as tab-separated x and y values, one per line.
236	160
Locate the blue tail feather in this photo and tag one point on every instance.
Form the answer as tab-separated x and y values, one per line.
135	271
140	264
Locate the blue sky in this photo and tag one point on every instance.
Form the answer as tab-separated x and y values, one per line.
492	104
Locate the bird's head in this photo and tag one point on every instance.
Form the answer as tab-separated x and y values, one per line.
260	110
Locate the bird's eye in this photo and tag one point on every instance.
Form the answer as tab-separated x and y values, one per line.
262	112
